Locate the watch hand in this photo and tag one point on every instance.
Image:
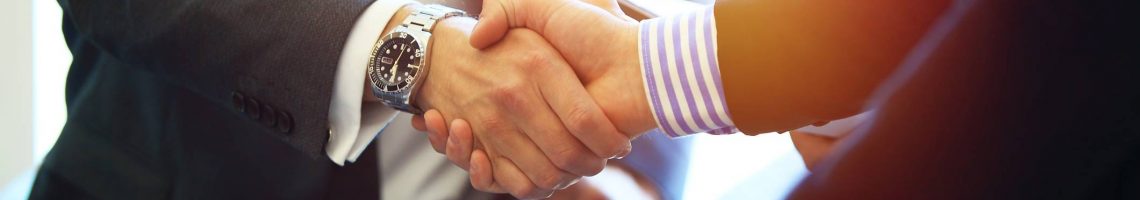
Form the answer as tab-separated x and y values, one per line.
392	78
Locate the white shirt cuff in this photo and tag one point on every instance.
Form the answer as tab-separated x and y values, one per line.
839	128
349	130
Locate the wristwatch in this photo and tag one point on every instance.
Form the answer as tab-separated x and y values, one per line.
398	64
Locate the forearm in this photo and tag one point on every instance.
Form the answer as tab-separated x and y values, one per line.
272	60
356	114
214	47
698	67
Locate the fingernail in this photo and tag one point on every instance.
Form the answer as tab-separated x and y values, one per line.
566	185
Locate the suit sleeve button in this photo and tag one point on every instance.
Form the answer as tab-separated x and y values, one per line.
269	118
252	108
284	122
238	101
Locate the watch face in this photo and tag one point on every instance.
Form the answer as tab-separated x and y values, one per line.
396	62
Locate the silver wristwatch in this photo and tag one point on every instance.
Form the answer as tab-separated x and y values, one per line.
399	64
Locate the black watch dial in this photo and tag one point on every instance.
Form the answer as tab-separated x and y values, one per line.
397	63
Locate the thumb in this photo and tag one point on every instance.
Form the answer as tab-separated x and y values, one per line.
611	6
492	25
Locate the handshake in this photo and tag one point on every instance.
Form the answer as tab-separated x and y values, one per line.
978	120
538	93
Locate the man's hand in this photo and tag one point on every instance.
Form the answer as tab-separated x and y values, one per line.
526	103
598	41
594	36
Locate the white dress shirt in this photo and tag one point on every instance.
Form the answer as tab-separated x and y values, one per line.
409	168
353	123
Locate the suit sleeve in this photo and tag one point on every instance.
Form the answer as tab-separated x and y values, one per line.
273	60
1001	110
787	64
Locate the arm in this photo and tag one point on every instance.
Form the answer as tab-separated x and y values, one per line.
354	121
817	46
223	50
518	90
502	86
796	40
772	43
356	118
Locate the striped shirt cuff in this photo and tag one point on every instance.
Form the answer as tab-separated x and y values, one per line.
682	79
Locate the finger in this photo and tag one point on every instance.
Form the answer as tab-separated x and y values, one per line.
437	131
524	106
459	143
578	112
503	139
418	123
508	175
492	25
482	178
547	132
435	123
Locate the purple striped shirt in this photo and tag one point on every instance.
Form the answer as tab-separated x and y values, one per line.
682	79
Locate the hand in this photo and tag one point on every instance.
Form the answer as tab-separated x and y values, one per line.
461	138
527	104
594	36
610	72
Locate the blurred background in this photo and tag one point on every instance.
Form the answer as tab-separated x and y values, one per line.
32	114
32	111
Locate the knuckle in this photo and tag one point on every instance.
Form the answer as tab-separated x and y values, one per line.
533	59
436	143
549	181
618	147
456	158
439	148
484	188
509	94
572	159
595	168
479	185
524	191
579	118
495	127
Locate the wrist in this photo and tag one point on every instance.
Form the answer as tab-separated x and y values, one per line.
399	17
448	44
631	59
635	117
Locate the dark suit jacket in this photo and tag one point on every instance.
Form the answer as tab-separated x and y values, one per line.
1022	100
202	99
